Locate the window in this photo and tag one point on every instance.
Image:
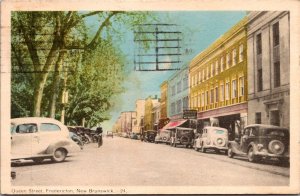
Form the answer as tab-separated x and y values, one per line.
228	61
212	71
227	91
276	34
217	94
241	53
179	87
173	90
277	74
212	96
173	108
199	76
179	106
198	104
49	127
202	100
26	128
217	67
241	92
207	72
222	93
259	80
206	98
222	64
258	44
234	57
185	82
258	117
234	89
203	75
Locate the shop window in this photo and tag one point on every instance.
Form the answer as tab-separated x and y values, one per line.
258	117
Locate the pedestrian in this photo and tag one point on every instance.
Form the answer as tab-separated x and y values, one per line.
100	140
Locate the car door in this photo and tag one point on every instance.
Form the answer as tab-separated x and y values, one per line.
23	140
245	140
49	133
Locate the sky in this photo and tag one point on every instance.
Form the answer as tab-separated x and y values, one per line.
199	30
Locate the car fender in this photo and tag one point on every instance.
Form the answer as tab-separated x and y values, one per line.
60	144
254	145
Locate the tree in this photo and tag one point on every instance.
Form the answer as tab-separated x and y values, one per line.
42	42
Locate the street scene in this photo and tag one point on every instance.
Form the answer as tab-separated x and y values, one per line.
126	162
121	98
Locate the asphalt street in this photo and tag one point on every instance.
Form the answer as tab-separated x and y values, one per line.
126	162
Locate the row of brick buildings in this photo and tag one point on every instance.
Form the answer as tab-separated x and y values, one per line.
242	78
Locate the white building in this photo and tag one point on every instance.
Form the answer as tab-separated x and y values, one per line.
269	68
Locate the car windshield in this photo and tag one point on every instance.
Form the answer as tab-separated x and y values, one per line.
277	132
218	131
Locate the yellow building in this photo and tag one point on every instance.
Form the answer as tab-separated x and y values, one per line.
163	104
148	118
218	81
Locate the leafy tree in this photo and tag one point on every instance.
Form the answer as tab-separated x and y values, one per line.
45	45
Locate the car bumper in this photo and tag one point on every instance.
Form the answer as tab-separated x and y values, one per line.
267	154
216	147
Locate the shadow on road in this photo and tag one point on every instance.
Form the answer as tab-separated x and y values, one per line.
32	163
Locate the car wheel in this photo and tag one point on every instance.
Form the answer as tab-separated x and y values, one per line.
230	153
38	160
175	145
59	155
251	155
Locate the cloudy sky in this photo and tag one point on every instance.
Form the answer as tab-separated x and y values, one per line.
199	29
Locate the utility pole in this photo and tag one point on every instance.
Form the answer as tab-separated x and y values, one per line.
64	96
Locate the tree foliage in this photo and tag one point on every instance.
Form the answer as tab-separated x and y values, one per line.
51	48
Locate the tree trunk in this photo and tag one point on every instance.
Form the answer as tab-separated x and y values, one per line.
55	84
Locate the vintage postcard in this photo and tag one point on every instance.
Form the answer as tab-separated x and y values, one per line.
150	97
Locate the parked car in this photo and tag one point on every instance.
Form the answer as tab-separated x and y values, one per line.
163	137
182	136
149	135
76	139
36	139
215	138
134	136
109	134
261	141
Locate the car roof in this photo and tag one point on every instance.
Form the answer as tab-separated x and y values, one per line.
265	126
35	120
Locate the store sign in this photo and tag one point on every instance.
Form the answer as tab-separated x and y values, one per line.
190	114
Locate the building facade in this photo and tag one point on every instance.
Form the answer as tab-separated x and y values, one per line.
148	117
140	112
269	68
178	93
163	100
127	121
156	115
218	81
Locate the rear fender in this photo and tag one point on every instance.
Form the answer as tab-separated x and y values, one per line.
61	144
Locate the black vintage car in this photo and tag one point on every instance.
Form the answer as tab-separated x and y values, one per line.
182	136
149	135
261	141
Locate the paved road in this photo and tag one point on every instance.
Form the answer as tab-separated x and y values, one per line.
126	162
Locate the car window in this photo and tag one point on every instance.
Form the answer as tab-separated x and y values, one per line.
247	131
49	127
253	131
276	132
26	128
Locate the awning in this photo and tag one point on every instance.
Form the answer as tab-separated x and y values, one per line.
173	124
